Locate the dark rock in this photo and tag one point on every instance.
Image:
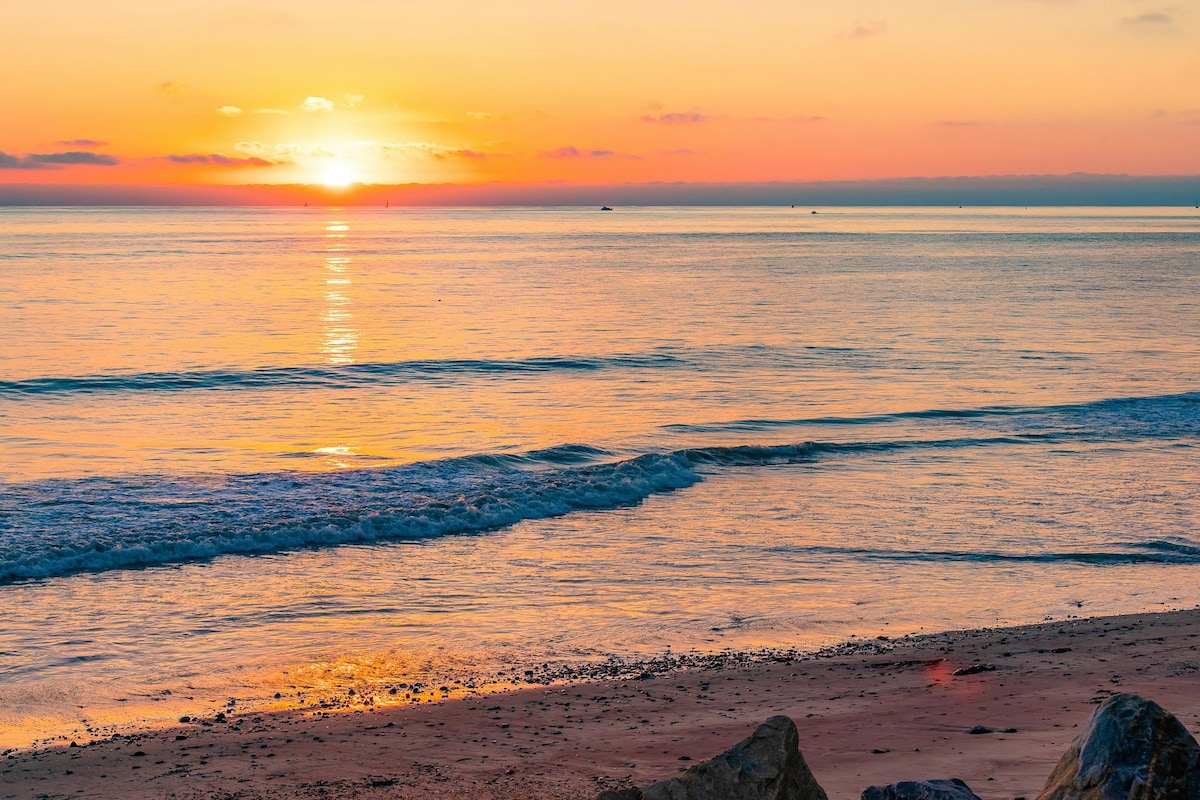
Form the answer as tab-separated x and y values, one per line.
953	789
621	794
978	729
975	669
1130	748
766	766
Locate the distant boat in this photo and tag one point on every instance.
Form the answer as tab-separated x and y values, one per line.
605	208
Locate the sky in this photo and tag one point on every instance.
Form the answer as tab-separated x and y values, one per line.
621	91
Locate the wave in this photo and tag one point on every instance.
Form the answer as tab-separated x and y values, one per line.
96	524
58	527
299	377
1167	415
350	375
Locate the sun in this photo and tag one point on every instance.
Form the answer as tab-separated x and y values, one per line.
336	175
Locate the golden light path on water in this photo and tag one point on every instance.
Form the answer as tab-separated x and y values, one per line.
341	335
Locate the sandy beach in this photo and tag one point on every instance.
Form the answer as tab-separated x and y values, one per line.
867	713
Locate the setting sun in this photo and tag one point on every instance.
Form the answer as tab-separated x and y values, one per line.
336	175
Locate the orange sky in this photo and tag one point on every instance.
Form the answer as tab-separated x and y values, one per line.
387	91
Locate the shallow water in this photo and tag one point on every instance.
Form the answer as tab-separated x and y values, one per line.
296	450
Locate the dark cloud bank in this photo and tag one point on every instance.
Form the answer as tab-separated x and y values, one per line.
56	160
1063	190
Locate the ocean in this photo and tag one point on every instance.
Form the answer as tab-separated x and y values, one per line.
257	458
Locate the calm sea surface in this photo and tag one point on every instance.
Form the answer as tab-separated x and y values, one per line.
304	450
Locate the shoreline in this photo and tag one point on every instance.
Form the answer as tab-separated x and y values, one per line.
870	712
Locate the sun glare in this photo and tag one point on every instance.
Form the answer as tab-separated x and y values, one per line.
337	175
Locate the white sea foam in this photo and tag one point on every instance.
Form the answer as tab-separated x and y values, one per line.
60	527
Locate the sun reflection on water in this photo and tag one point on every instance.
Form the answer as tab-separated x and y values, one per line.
341	336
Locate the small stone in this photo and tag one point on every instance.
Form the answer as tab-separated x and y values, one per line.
975	669
978	729
952	789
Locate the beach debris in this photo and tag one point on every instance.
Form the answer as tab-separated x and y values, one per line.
1130	747
952	789
975	669
766	766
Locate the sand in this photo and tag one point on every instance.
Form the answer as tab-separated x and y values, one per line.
875	713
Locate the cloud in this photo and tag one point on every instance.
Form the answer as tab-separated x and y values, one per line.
75	157
422	149
82	143
864	30
272	153
57	160
1187	116
230	111
219	160
171	87
575	152
268	111
285	153
351	100
797	120
677	118
13	162
316	105
485	116
1155	20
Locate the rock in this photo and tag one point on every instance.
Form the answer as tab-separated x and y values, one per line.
980	729
975	669
1130	748
621	794
766	766
953	789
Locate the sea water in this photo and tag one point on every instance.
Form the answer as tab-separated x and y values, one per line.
301	450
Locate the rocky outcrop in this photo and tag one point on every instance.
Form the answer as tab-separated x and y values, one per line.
952	789
766	766
1131	748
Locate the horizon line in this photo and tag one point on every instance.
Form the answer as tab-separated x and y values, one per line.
1071	189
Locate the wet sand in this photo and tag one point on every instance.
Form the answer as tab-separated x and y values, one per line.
874	712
